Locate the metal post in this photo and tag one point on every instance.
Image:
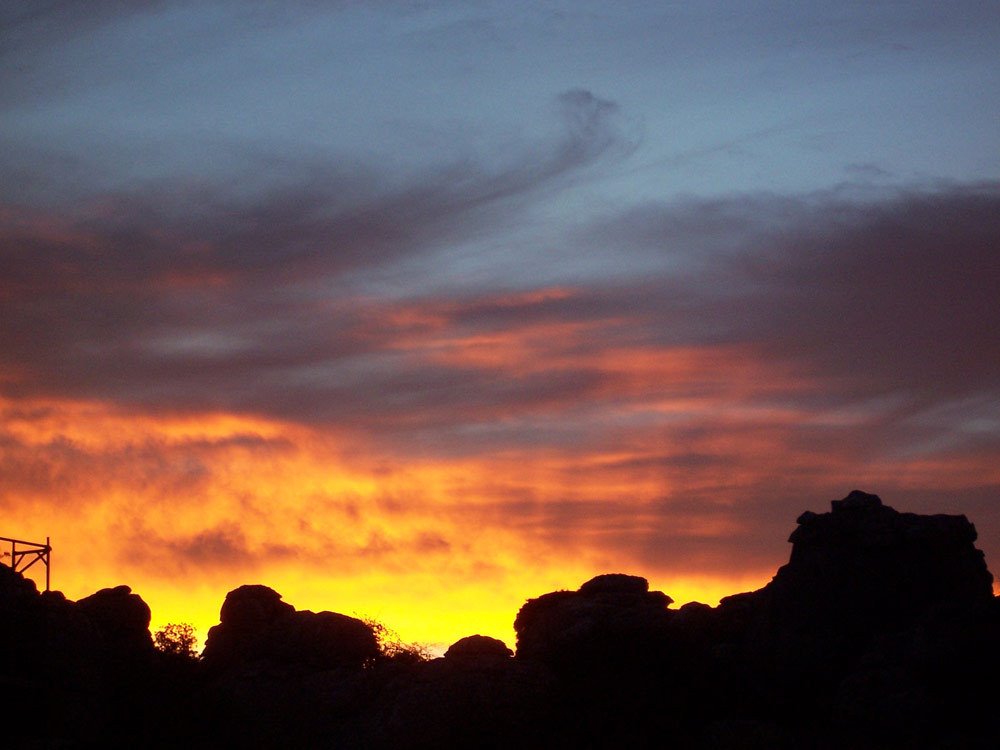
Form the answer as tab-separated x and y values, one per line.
48	562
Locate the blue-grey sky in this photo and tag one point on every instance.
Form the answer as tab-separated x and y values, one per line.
715	96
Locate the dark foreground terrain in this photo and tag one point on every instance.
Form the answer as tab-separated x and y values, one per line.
881	631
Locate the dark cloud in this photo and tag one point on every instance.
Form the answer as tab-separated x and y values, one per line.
691	534
42	15
221	548
874	296
333	223
31	29
184	289
861	299
177	300
63	471
866	171
227	547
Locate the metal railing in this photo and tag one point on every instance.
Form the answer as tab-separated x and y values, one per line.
28	555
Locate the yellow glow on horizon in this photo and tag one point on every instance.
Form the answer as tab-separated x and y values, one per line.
455	611
184	508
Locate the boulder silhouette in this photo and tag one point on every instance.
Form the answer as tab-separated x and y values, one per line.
864	569
252	607
856	634
864	565
16	591
618	670
612	618
477	695
122	618
76	666
478	648
859	578
50	665
257	628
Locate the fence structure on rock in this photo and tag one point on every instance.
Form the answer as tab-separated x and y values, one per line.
24	554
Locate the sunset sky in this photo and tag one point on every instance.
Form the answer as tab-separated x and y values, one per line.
414	310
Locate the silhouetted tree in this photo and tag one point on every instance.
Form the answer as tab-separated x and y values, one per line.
178	639
392	648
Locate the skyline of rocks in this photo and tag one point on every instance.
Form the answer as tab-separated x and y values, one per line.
880	630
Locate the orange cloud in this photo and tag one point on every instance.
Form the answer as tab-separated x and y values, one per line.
699	498
184	509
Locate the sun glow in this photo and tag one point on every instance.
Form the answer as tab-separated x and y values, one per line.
185	508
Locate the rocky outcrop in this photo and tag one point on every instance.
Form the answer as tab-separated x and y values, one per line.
68	669
476	696
865	567
478	648
840	627
619	675
880	631
873	613
611	619
861	571
122	619
257	629
275	676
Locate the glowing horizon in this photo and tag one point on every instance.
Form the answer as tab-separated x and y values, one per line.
284	507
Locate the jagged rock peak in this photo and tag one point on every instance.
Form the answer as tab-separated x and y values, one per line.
615	583
860	519
870	564
856	500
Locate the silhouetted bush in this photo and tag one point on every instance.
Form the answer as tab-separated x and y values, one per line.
392	648
178	639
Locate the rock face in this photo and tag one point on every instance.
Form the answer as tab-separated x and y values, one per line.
252	608
278	677
608	645
842	626
476	696
865	566
257	628
122	619
860	571
613	618
478	648
853	638
67	667
880	632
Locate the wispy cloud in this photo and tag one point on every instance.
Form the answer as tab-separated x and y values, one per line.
819	303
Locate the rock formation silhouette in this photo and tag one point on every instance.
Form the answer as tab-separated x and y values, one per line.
880	632
257	629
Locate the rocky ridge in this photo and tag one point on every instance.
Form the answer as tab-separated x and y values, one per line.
880	631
